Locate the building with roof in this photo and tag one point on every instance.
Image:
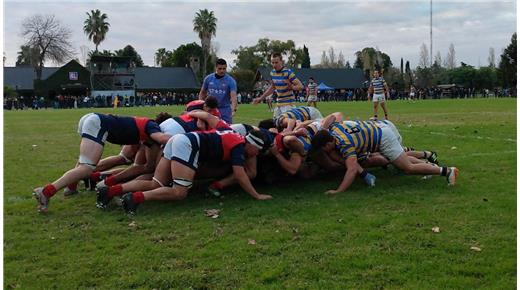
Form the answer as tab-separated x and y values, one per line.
75	79
337	78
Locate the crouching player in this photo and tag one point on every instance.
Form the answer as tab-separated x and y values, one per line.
353	139
182	155
95	129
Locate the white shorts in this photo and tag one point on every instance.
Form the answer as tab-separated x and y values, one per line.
378	98
390	146
315	114
278	110
171	127
183	148
89	127
312	99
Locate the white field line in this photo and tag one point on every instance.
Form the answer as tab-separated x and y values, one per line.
486	153
466	136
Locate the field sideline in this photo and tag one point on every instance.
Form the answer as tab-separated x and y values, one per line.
364	238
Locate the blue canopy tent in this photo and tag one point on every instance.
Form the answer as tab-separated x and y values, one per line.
324	87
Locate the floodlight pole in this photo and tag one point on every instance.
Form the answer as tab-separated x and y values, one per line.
431	33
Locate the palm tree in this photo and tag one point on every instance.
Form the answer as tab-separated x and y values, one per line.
205	24
96	27
160	56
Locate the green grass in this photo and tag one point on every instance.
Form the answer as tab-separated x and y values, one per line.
365	238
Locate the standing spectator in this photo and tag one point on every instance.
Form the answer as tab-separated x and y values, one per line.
223	87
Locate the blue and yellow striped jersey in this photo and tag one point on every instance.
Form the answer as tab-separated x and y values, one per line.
280	78
299	113
306	140
356	138
379	85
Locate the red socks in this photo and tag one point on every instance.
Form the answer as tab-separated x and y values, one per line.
216	185
49	190
138	197
111	180
115	190
95	176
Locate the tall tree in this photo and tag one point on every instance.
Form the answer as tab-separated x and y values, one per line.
347	65
205	24
424	59
507	65
50	38
96	26
129	51
450	62
438	60
370	58
306	62
408	71
491	57
160	56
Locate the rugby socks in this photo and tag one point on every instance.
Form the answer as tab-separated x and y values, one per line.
425	155
444	171
111	180
216	185
115	190
138	197
49	190
95	176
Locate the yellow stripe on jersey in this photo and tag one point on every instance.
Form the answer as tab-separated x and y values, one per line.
355	138
280	78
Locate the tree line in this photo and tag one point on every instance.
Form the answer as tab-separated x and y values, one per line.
46	39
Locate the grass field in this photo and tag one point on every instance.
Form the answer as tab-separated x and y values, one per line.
365	238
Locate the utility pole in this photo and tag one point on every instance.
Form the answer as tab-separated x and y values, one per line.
431	33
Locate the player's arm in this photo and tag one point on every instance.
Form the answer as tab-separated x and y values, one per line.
234	102
268	92
296	85
160	137
295	160
353	169
242	178
334	117
211	120
291	124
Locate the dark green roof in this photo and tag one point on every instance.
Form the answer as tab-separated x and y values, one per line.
145	77
338	78
23	76
165	78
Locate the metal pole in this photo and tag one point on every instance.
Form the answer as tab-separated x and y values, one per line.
431	33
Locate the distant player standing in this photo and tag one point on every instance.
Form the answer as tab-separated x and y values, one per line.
379	90
223	87
312	93
284	82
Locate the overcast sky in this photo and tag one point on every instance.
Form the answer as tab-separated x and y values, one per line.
397	28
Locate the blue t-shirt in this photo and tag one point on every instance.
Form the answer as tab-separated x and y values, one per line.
220	88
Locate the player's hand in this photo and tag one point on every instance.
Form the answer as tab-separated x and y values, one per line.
263	197
256	101
331	192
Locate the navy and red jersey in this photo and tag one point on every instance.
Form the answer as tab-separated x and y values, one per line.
188	123
128	130
217	146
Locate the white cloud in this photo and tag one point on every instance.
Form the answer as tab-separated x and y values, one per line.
396	27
